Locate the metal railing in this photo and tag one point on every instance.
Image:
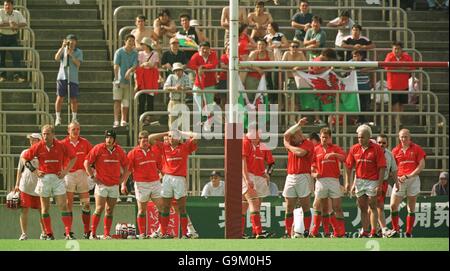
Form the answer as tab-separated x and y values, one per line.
112	34
7	169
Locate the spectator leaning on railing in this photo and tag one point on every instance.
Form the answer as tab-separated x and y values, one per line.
10	22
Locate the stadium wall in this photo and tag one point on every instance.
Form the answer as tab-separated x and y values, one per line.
208	215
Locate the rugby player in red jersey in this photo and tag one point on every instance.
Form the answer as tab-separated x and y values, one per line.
174	155
369	162
111	165
297	186
326	170
77	180
51	154
410	159
255	181
145	164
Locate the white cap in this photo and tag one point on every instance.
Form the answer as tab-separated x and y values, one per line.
35	135
193	22
177	66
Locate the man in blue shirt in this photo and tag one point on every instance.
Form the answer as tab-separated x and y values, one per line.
301	21
125	63
70	58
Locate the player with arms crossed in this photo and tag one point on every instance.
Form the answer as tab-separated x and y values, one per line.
108	159
51	154
297	186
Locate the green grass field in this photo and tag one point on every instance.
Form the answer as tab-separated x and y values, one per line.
398	244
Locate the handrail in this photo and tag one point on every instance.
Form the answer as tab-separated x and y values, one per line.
111	36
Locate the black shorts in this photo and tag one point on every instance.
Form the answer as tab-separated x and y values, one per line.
400	98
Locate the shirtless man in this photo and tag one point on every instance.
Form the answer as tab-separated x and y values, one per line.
225	21
259	20
294	54
164	25
142	31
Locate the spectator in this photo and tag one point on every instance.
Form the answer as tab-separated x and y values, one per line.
225	21
125	63
141	31
344	25
223	76
69	57
293	54
398	81
435	5
176	83
164	25
147	76
10	22
173	55
189	35
26	183
253	78
315	37
215	187
301	21
441	187
408	4
245	43
275	40
259	20
205	59
357	42
364	85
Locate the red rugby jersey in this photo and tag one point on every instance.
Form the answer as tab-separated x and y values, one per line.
408	161
256	156
107	163
327	167
51	160
301	165
144	165
368	162
174	160
81	149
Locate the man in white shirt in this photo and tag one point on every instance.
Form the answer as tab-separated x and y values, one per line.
10	22
214	188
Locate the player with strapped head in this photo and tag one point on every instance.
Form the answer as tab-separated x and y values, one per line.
410	159
297	186
145	164
77	180
111	166
51	155
326	171
369	162
26	183
255	181
175	154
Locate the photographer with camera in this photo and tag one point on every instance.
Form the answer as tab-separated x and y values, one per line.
70	58
26	182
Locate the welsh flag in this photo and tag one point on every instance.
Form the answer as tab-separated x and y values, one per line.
260	98
329	80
